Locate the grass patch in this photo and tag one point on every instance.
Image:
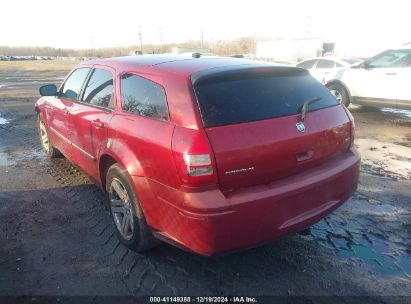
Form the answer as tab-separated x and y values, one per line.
37	65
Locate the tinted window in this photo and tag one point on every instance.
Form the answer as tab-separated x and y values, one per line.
306	64
391	59
143	97
407	62
71	88
243	100
99	89
351	60
325	64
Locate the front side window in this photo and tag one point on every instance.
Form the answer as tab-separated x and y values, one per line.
325	64
306	64
71	88
391	59
99	89
143	97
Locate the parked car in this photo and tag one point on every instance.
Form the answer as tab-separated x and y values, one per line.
381	81
209	154
322	68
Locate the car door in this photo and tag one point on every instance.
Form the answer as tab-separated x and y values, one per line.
403	78
144	127
91	115
58	110
308	65
376	81
322	69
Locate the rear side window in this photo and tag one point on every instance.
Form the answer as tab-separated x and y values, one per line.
306	64
230	101
325	64
99	89
144	97
71	88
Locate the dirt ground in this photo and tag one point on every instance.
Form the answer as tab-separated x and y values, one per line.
56	237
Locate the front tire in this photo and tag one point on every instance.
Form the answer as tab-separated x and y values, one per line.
340	93
131	226
45	139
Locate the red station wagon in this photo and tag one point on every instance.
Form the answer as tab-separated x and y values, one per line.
209	154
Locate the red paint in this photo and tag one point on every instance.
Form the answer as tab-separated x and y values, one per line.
297	178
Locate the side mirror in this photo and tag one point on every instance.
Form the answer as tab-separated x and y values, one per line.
48	90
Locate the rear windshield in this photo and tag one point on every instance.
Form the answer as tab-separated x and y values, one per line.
244	99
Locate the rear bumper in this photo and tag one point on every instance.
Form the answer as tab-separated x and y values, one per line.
211	222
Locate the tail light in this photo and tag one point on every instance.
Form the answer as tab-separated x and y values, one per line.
351	118
194	158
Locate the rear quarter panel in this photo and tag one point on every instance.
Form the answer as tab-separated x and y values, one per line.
144	147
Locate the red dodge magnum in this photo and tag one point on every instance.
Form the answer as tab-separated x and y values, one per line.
209	154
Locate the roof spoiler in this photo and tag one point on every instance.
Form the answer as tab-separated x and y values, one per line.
245	71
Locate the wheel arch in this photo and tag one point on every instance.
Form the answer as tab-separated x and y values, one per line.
339	82
105	162
124	157
39	108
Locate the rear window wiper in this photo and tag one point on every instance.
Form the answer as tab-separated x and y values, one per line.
304	107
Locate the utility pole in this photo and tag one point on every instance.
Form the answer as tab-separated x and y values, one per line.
91	51
308	25
141	39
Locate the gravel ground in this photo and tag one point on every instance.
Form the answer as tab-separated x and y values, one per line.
56	236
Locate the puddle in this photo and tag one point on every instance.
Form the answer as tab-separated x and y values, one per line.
21	157
387	158
5	160
3	121
383	257
405	113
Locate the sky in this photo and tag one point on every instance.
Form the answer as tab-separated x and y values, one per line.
95	24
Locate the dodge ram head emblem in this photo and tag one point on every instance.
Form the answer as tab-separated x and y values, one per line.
300	126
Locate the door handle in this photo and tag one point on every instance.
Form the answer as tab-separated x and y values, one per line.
97	123
391	74
65	111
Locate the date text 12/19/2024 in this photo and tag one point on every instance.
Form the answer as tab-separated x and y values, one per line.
238	299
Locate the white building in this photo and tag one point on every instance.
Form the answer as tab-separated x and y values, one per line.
292	50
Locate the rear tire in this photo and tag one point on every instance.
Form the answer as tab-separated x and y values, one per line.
340	93
131	226
45	139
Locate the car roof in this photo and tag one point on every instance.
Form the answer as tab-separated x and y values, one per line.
338	59
406	46
176	64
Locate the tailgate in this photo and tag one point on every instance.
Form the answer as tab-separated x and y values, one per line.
254	153
252	119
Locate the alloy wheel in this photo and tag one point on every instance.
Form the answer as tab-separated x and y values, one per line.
121	208
43	136
337	94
